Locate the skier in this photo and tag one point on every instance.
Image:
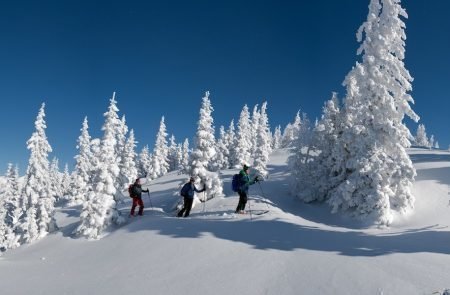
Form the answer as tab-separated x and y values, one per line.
135	191
244	183
187	192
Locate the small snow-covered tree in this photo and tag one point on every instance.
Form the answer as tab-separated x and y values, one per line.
421	138
160	162
243	139
66	181
254	130
431	143
276	139
100	207
231	145
56	179
436	145
290	134
185	168
83	167
378	172
263	143
172	155
10	210
205	150
222	156
39	219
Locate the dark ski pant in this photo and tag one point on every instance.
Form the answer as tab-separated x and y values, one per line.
242	201
137	201
186	207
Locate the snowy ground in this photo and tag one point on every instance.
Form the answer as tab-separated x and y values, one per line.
294	249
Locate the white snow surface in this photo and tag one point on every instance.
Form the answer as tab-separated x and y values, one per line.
296	248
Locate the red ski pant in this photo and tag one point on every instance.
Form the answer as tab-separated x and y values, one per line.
137	201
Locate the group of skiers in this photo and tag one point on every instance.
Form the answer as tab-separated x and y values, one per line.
188	191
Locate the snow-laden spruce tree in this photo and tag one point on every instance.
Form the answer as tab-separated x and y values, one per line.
421	138
100	207
121	131
436	145
10	210
185	168
222	157
83	167
145	162
66	181
290	134
243	139
128	168
205	150
231	144
256	114
179	157
160	161
379	173
276	139
39	219
56	179
431	143
172	155
312	164
263	143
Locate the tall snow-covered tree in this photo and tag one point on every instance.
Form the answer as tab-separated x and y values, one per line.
83	167
39	219
421	138
205	150
56	179
122	156
173	154
290	134
223	153
100	207
231	145
160	161
263	143
243	139
66	181
379	173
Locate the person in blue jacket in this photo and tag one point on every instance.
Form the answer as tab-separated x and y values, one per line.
244	184
188	192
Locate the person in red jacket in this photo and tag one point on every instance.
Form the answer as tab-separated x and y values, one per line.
136	193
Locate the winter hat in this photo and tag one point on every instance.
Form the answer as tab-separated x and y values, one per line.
192	178
245	167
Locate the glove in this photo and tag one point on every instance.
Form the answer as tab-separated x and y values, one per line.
256	179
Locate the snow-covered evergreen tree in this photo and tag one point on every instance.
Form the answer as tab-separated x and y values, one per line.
66	181
290	134
231	145
436	145
243	139
39	219
145	162
173	154
421	138
276	139
254	130
100	208
222	156
205	150
185	167
56	179
128	168
160	161
10	210
263	143
431	143
378	172
83	167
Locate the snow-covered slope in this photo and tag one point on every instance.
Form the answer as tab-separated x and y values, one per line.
296	248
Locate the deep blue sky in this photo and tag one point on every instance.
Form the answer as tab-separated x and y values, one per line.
160	57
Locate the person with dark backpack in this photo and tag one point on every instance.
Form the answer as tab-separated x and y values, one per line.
187	192
135	190
243	186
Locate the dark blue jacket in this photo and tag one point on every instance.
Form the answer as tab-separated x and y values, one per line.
189	190
245	182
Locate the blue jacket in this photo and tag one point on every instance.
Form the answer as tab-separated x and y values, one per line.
245	182
189	190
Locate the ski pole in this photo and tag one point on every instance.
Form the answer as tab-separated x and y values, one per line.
250	209
150	199
264	196
204	202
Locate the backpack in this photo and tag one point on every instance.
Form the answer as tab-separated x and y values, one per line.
236	183
130	190
184	190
